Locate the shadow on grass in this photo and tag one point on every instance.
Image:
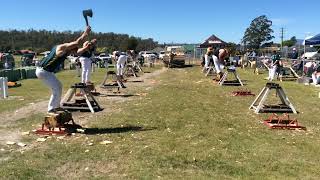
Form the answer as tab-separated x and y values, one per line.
182	66
94	131
118	95
231	83
134	81
85	110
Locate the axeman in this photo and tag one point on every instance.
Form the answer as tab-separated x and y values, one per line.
49	64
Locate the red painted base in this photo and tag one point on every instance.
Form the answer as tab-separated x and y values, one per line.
283	122
242	93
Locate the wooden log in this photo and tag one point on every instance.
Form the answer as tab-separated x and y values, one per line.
57	119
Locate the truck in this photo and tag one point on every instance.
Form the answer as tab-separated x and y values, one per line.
174	56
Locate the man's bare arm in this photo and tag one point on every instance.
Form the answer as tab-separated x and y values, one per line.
83	49
69	46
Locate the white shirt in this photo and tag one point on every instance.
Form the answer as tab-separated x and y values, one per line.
122	59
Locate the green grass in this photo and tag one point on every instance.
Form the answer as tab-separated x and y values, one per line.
34	90
191	129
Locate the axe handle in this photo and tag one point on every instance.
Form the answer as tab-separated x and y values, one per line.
86	18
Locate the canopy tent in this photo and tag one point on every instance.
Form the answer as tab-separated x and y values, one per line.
315	40
213	41
311	40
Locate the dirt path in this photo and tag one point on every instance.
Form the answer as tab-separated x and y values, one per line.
9	118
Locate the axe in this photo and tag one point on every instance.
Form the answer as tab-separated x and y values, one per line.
87	13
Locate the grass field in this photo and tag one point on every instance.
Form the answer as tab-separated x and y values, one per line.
185	127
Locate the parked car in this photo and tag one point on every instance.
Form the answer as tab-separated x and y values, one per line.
105	58
156	54
162	54
6	61
147	54
73	59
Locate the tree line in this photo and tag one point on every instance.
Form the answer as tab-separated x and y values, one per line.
44	40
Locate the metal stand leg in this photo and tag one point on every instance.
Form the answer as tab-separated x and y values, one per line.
263	99
83	91
224	77
257	98
237	77
286	100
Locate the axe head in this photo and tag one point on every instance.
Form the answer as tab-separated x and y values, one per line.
87	13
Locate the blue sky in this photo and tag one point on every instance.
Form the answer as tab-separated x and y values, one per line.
180	21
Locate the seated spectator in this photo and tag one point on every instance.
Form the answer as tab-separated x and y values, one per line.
309	68
316	76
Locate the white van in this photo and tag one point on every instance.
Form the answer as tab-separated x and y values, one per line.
162	54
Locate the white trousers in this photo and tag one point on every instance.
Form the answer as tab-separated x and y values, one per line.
86	69
315	79
272	72
217	63
120	66
206	60
56	87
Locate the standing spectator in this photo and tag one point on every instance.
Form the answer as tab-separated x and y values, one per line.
276	63
316	75
294	54
171	58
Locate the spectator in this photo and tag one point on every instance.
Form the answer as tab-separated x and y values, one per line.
294	54
275	65
316	75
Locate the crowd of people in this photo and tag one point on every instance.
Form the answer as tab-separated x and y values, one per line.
218	58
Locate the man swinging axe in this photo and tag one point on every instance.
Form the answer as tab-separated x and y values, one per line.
53	61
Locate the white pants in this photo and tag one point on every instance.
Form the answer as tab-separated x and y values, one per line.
315	79
56	87
272	72
120	66
217	63
206	60
86	69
